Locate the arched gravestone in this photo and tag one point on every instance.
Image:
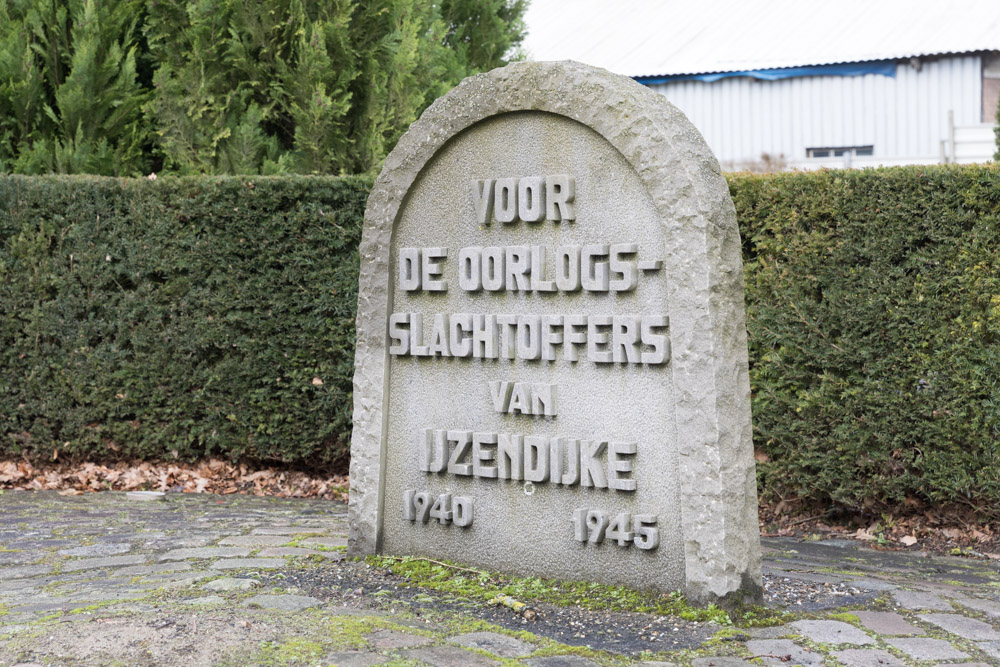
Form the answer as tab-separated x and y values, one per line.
551	373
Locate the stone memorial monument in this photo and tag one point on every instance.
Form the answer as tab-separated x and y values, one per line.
551	373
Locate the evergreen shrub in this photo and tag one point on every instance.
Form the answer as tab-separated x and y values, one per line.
178	318
873	311
190	316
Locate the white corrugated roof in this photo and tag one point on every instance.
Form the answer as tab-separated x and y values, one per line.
664	37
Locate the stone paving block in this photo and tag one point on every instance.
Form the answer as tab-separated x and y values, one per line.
8	573
921	600
451	656
887	623
284	552
963	626
991	649
255	540
205	601
659	663
832	632
989	607
329	542
231	584
112	549
783	647
924	648
716	661
256	563
284	530
283	602
393	639
140	570
866	657
561	661
182	579
963	664
492	642
354	659
872	584
97	563
205	552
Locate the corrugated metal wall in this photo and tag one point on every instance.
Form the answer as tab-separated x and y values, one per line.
905	117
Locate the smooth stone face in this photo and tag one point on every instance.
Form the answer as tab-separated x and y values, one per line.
254	540
354	659
502	645
283	602
923	648
562	377
97	563
561	661
963	626
989	607
857	657
231	584
111	549
449	656
921	600
783	647
244	563
886	623
719	661
832	632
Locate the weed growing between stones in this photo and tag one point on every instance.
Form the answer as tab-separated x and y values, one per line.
456	580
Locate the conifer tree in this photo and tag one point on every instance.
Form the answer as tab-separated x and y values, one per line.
232	86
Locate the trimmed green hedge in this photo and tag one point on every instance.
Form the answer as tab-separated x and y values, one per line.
191	315
182	317
873	308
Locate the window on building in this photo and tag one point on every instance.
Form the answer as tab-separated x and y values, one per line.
840	151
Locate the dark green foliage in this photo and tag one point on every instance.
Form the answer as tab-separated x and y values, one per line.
180	317
193	314
996	133
70	94
120	87
873	307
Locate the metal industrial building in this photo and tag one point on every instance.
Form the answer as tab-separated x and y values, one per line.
778	84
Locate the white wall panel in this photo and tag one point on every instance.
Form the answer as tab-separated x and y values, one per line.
904	118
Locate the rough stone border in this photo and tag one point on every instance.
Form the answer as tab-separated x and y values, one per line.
707	331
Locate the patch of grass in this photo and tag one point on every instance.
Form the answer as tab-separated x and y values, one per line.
448	578
348	632
291	651
846	617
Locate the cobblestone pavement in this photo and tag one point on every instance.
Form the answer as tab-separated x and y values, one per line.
101	579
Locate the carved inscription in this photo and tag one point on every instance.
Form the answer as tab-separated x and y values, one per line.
599	268
420	506
594	527
521	398
561	461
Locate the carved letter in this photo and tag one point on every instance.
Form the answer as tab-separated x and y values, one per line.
462	441
559	194
409	269
431	269
531	199
500	393
536	458
399	335
470	269
618	467
482	452
591	470
506	200
510	456
482	197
